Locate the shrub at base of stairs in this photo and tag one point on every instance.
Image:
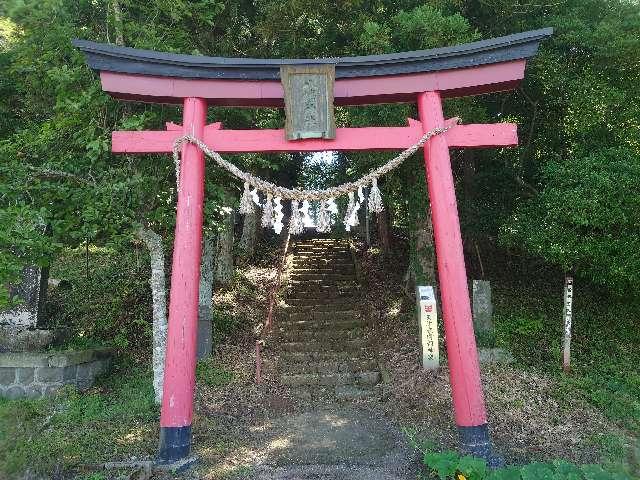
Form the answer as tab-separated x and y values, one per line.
450	465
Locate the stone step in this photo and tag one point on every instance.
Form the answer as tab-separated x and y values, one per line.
326	336
325	277
360	378
313	284
306	301
321	266
321	241
316	256
320	356
345	270
330	366
306	309
327	294
350	346
310	324
316	288
324	315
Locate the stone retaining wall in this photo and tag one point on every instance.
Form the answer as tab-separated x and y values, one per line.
34	374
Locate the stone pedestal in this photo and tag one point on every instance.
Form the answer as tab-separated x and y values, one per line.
35	374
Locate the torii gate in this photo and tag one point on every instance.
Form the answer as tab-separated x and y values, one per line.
424	77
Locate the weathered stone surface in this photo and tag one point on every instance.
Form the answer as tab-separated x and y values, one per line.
19	339
24	359
42	379
32	293
25	375
51	389
76	357
69	373
49	374
482	308
494	355
33	391
7	375
205	339
14	392
63	359
84	371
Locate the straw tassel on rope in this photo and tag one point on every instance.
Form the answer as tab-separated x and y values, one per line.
375	199
272	215
267	212
246	201
296	224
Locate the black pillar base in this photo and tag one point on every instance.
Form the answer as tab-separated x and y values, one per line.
175	445
476	441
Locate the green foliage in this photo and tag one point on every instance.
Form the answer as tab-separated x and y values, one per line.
208	373
105	298
450	465
604	359
78	428
581	217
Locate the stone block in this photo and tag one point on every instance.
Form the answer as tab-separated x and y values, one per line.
77	357
52	389
33	391
7	375
15	392
84	383
24	359
494	355
49	374
69	373
99	367
84	371
25	375
205	339
482	309
19	339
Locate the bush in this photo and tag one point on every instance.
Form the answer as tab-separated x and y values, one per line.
449	465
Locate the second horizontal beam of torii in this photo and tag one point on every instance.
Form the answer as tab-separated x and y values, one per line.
347	139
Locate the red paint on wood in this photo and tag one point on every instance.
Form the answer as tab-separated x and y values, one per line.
180	361
348	91
464	369
347	139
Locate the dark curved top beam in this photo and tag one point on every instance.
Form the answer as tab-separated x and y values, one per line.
110	58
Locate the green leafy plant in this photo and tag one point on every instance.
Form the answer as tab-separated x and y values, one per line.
450	465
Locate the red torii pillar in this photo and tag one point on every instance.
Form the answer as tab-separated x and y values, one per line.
423	77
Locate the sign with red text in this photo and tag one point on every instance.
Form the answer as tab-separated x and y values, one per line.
428	322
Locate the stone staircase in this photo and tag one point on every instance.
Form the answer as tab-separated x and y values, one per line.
323	352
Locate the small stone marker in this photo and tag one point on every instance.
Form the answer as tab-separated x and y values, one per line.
568	314
32	292
428	322
19	325
482	309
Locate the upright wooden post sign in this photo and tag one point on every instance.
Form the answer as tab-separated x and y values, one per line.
309	89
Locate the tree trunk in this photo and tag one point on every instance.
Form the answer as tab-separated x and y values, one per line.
153	241
224	267
383	232
117	17
249	235
205	302
425	256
